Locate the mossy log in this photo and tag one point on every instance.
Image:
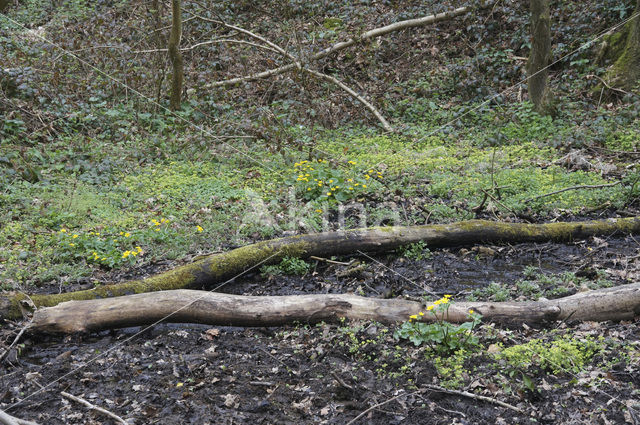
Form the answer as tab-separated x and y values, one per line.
190	306
217	268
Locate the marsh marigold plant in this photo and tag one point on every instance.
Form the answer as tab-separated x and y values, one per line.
441	336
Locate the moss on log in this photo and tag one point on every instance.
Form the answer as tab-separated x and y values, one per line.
220	267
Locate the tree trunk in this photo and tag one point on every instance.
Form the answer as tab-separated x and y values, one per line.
205	273
175	55
188	306
540	57
625	72
3	5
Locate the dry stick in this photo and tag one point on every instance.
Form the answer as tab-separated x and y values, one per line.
326	260
205	43
474	396
378	32
7	419
16	339
375	406
94	407
586	186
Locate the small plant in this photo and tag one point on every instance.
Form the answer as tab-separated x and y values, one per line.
319	180
288	266
416	251
103	249
562	355
442	337
494	291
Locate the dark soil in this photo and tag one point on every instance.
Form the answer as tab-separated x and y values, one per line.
331	373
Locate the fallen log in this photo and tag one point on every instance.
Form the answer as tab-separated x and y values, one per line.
191	306
217	268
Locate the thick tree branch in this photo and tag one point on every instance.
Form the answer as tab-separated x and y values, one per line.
190	306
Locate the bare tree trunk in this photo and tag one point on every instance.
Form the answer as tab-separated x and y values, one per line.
175	55
540	57
625	72
189	306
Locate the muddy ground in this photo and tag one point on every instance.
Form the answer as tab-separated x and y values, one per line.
332	373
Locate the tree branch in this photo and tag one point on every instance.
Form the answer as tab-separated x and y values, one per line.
378	32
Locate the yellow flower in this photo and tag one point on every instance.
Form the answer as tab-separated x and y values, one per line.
429	308
352	162
470	311
448	296
200	229
179	384
371	171
366	176
308	189
364	186
63	230
445	300
413	316
134	253
138	249
164	220
126	235
126	254
437	302
72	244
97	233
318	210
74	236
421	314
121	233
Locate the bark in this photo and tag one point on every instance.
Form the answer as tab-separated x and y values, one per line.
175	55
189	306
540	57
625	72
217	268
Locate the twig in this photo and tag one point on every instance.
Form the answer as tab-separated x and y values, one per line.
7	419
326	260
604	83
586	186
497	201
473	396
15	341
341	382
375	406
378	32
204	43
94	407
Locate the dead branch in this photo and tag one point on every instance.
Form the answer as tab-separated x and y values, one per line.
217	268
7	419
378	32
473	396
92	406
212	308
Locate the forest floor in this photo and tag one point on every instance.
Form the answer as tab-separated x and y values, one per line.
101	183
331	373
